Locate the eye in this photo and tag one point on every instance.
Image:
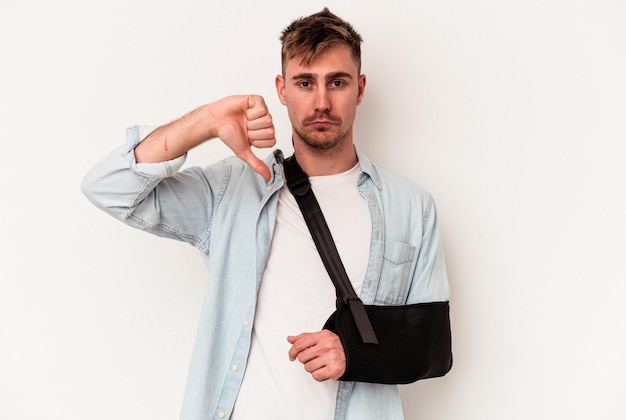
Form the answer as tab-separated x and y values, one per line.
305	84
337	83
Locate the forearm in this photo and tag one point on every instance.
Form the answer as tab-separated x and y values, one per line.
137	194
178	137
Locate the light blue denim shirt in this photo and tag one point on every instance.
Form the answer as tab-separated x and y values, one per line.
228	212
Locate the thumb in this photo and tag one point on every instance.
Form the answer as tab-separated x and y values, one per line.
255	163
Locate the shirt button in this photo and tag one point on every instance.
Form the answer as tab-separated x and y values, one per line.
235	368
276	166
269	188
221	414
246	323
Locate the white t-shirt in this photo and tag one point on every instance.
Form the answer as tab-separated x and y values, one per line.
296	296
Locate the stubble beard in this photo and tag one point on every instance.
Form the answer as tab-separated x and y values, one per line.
321	141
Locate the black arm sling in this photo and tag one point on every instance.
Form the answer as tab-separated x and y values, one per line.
383	344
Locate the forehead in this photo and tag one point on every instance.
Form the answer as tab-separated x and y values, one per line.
337	59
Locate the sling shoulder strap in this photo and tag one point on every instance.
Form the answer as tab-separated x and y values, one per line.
300	186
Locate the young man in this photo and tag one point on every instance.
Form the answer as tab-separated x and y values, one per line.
260	351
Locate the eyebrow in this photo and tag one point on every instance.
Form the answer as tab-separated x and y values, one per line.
330	76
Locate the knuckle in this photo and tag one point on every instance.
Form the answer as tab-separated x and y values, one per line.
325	333
317	376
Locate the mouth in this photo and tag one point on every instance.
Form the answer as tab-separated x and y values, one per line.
321	123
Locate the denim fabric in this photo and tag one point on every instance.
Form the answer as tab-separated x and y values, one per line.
228	212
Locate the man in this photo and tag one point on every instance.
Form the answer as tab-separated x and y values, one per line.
260	351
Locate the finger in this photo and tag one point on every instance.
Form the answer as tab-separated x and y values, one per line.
322	369
299	343
325	373
266	134
303	341
293	352
331	366
262	138
259	123
326	345
321	375
308	354
256	107
261	128
262	144
255	163
314	364
308	346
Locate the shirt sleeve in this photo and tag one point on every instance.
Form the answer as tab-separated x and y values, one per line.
430	281
160	198
158	170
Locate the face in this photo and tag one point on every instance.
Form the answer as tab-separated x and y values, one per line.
321	98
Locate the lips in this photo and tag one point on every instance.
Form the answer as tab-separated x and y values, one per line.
321	122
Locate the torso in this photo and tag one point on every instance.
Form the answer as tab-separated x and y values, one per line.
296	296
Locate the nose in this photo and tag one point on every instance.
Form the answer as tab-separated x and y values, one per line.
322	100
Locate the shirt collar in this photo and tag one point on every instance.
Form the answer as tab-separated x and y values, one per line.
367	167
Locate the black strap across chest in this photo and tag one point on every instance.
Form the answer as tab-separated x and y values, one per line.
300	186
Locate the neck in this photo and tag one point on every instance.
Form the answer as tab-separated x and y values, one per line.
320	162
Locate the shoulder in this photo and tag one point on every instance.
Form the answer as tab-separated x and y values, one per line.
400	183
403	192
394	185
386	179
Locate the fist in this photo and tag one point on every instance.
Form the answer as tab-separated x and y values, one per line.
321	353
244	121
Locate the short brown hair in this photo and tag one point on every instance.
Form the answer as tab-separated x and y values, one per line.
311	36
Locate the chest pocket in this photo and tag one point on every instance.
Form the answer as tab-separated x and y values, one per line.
396	273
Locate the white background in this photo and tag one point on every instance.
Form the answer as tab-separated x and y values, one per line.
511	113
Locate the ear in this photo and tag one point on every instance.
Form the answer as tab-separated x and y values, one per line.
361	92
280	89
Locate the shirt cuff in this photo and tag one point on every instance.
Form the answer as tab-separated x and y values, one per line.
157	170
